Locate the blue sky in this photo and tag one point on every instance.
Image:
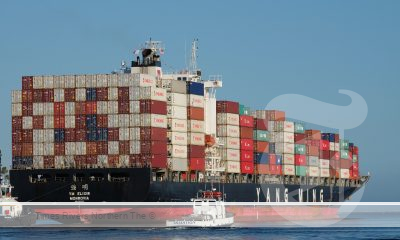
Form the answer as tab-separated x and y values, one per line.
261	48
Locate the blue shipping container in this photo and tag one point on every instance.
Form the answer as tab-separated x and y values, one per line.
325	136
262	158
91	121
91	135
59	135
331	137
90	94
278	159
102	134
195	88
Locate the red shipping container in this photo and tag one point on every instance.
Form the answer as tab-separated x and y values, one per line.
124	147
335	164
313	134
247	167
59	121
247	144
27	150
102	121
152	106
113	134
16	123
197	164
262	169
123	107
27	82
350	156
27	109
69	135
91	107
16	150
354	174
80	161
134	160
324	154
80	135
275	169
345	164
153	147
354	166
246	121
27	96
123	94
312	150
334	155
155	160
59	149
300	160
80	108
69	94
152	133
102	148
195	113
37	95
334	172
113	161
260	124
300	138
275	115
38	122
272	159
102	94
355	150
261	147
227	107
91	159
16	136
337	138
59	108
27	136
246	132
80	121
91	148
196	151
48	95
324	145
246	156
48	162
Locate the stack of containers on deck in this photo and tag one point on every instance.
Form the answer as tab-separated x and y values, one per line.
346	158
228	132
196	128
354	171
313	143
265	162
300	151
329	153
177	125
246	126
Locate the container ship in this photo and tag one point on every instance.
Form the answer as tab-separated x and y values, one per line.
141	135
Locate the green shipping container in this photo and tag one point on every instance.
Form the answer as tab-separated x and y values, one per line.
344	154
344	144
244	110
301	171
355	158
300	149
261	135
299	128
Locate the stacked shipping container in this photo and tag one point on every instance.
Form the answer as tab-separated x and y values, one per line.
246	125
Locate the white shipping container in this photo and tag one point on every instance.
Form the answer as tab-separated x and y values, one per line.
102	160
113	121
16	109
134	133
177	138
134	147
59	162
58	95
142	80
288	170
70	148
134	107
48	122
229	142
38	82
177	112
324	163
80	94
112	107
123	134
59	82
177	151
331	146
313	171
48	109
178	164
230	154
288	126
48	135
38	162
48	82
288	158
134	120
80	148
38	149
123	80
177	125
324	172
281	148
113	147
80	81
280	137
228	131
102	80
102	107
69	81
260	114
48	149
196	126
16	96
313	161
228	119
344	173
195	101
196	139
69	108
112	94
232	167
91	81
176	99
69	162
38	136
153	93
281	126
153	120
123	120
124	160
27	123
113	80
337	146
38	109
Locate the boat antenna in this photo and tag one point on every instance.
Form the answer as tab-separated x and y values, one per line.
1	172
193	60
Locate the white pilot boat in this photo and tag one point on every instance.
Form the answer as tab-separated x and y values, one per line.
208	211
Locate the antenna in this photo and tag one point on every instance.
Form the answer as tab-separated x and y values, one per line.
193	60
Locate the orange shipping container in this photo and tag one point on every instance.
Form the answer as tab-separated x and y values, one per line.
195	113
313	134
246	132
59	108
275	115
59	121
16	123
80	108
69	95
91	148
27	82
27	149
124	147
27	136
59	149
113	160
102	121
102	148
38	122
91	108
312	150
16	149
102	94
260	146
48	161
27	109
262	169
27	96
